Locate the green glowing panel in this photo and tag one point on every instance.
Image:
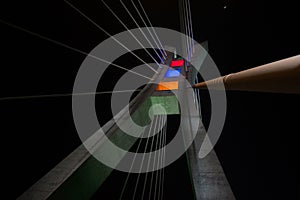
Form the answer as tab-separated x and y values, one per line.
170	104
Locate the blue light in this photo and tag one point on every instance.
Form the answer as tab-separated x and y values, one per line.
171	73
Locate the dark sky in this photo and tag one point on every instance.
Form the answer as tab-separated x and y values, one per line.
244	35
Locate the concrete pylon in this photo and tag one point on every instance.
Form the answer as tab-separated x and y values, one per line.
282	76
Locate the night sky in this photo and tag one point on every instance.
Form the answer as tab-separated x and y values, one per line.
258	147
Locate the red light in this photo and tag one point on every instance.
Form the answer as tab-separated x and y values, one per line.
177	63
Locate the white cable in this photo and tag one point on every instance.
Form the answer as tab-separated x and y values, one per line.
130	32
129	13
159	47
71	48
152	26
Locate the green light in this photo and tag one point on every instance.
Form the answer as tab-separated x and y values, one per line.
169	103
